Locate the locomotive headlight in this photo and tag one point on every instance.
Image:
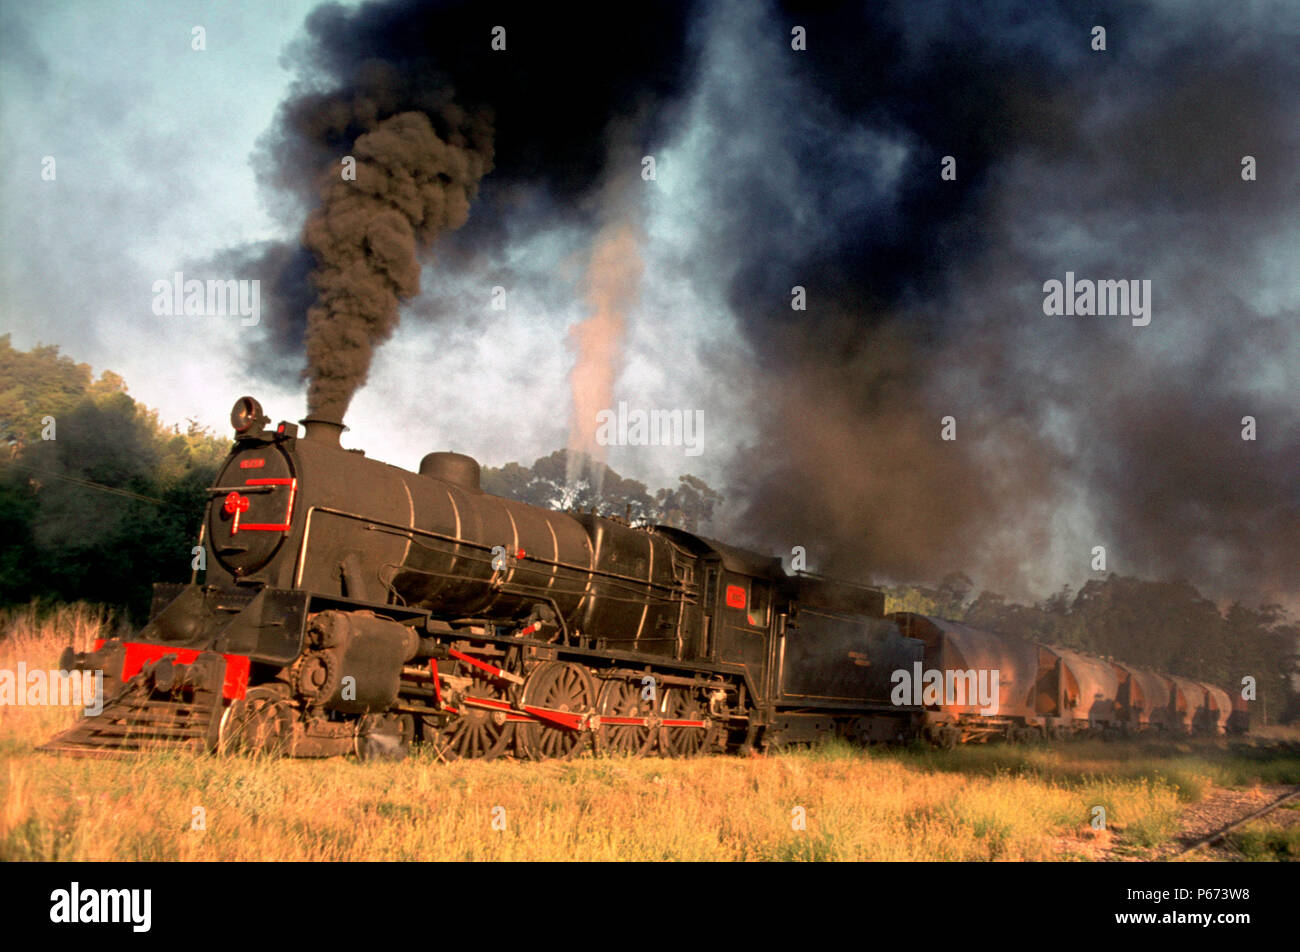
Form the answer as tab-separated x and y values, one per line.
247	417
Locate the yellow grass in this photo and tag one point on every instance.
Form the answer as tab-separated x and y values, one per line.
900	804
37	638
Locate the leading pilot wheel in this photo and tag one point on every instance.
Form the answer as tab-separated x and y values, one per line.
261	722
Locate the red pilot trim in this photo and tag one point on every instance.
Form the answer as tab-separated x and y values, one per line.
139	654
735	596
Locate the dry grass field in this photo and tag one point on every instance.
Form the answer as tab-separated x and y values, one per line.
980	803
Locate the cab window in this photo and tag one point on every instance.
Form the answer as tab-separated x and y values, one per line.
759	599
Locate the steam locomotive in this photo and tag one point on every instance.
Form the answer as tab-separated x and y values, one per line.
348	606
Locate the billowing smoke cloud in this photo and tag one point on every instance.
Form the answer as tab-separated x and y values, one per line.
365	237
925	295
420	92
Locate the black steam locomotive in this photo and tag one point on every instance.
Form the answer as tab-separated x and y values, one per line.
348	605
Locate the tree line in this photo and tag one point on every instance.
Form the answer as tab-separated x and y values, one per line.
98	498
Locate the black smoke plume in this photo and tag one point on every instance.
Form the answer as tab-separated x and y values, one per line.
366	236
417	94
925	295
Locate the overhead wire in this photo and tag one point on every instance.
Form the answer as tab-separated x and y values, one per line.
88	483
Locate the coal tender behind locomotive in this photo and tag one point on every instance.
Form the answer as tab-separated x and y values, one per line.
349	605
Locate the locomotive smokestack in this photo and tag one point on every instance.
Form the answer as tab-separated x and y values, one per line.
323	429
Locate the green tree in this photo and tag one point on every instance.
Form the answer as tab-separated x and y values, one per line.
108	506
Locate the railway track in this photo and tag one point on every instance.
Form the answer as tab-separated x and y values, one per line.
1223	831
